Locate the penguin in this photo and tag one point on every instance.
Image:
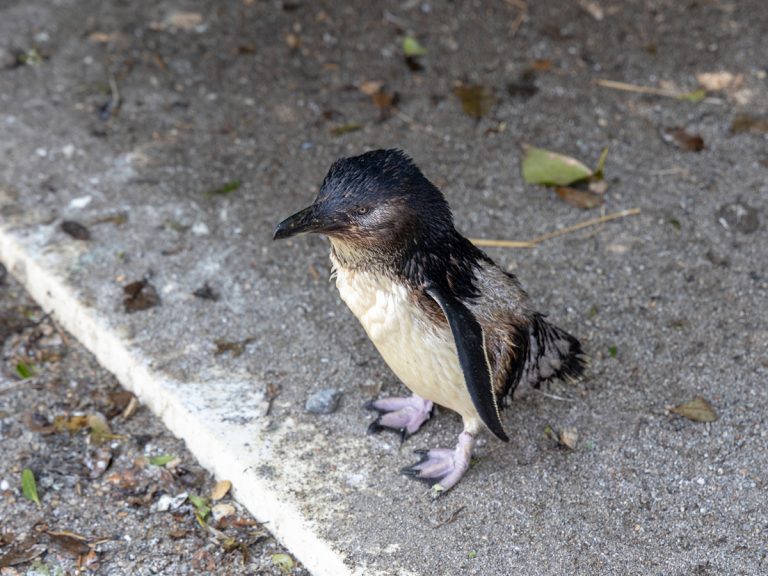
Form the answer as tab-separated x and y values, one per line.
456	329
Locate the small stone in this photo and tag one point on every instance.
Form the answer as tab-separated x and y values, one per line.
167	502
222	511
323	401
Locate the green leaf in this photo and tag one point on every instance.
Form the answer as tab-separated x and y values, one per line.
549	168
284	562
24	370
698	410
472	554
598	173
411	47
613	351
201	505
161	460
694	96
225	188
29	486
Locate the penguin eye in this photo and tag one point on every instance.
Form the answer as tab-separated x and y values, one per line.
360	210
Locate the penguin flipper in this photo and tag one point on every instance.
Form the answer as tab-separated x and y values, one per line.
470	342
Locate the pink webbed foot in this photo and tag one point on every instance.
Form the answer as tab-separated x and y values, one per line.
442	468
404	415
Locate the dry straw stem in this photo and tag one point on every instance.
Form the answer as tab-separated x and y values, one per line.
556	233
639	89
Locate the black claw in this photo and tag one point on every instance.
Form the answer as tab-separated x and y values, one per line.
412	473
374	427
369	405
423	453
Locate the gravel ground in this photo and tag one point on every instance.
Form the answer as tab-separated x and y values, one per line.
107	505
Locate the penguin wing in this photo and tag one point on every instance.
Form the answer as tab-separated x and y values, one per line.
470	340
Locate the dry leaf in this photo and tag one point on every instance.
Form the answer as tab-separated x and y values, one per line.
75	230
140	295
682	139
717	81
70	542
580	198
371	87
698	410
221	489
568	438
476	100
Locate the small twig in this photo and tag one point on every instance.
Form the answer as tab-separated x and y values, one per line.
501	243
451	517
556	233
522	15
11	385
640	89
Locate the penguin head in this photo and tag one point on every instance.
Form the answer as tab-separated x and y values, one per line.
377	198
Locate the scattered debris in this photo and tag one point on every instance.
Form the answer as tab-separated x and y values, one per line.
75	544
342	129
738	216
698	410
580	198
205	292
692	96
448	519
75	230
22	553
167	502
593	9
476	100
224	189
683	139
184	20
413	51
323	401
140	295
221	511
748	124
384	100
236	347
566	438
284	562
523	87
161	460
220	490
720	81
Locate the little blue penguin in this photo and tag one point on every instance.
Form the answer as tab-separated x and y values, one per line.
458	330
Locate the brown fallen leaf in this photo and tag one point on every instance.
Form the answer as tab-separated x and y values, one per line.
682	139
580	198
70	423
476	100
22	553
568	438
139	296
220	489
698	410
383	99
37	422
70	542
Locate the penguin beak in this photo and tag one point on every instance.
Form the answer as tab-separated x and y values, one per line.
303	222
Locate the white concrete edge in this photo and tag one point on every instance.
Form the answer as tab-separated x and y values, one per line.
283	519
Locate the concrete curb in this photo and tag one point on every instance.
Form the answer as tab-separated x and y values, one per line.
216	449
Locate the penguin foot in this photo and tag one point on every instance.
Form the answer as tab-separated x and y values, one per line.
442	468
403	415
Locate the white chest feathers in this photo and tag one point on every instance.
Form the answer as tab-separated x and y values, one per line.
422	354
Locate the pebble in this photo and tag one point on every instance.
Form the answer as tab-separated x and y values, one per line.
323	401
738	216
167	502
